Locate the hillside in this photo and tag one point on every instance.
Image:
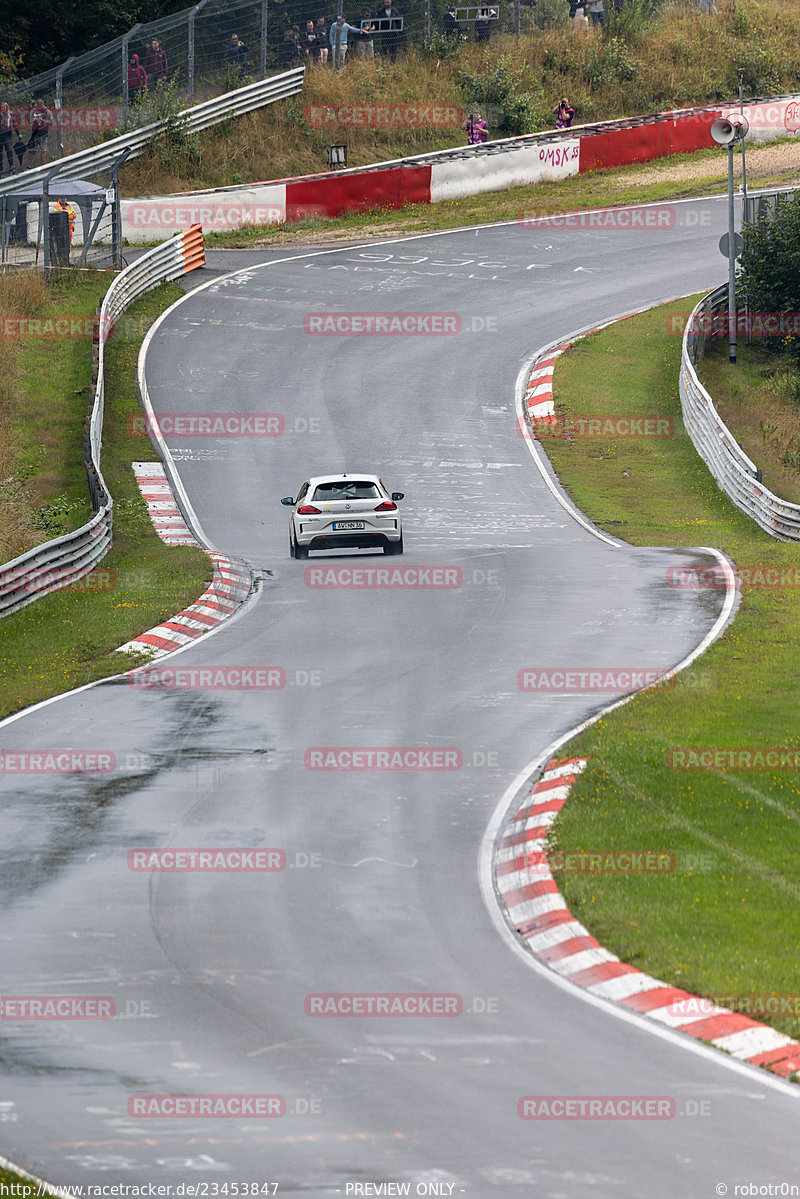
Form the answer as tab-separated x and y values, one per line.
678	58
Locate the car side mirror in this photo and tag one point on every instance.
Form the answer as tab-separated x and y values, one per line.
397	495
287	499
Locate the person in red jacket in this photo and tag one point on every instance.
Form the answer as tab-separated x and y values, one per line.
137	78
155	63
42	122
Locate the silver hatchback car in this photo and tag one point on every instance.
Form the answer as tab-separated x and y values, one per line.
344	512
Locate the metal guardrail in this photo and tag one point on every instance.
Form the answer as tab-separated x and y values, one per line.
735	474
62	561
99	159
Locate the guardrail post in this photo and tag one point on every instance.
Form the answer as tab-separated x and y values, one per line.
44	216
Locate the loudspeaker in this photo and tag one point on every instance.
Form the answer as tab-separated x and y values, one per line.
729	129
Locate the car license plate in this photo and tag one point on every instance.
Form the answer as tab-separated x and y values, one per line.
348	524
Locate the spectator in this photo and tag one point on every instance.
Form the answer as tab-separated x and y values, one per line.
137	78
155	63
596	12
338	34
477	129
390	29
450	25
41	124
308	41
580	21
9	126
236	53
293	52
365	46
483	27
322	39
564	113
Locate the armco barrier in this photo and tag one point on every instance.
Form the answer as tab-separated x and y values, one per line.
101	158
735	474
63	561
465	170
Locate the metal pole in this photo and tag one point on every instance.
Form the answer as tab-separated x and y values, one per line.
44	215
190	56
740	73
336	63
60	102
731	263
517	7
427	19
264	17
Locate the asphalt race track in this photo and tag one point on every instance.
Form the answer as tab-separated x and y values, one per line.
381	890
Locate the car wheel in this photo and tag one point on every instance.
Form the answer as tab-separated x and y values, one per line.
300	551
394	547
291	544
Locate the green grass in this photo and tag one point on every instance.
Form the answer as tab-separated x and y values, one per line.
70	638
735	926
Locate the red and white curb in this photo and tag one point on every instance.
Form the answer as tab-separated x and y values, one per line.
538	399
229	587
539	914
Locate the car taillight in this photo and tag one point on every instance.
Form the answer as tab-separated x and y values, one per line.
308	510
386	506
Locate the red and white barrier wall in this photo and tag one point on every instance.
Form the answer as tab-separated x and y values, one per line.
453	174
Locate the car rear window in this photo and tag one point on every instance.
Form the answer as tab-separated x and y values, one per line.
347	489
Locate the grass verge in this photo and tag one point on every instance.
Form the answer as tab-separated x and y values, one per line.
731	925
70	638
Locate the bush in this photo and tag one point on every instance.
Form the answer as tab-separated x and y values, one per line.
609	63
500	92
769	272
550	13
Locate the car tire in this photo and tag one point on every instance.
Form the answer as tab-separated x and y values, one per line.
394	547
291	544
300	551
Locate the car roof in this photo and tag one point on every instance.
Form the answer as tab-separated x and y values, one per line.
348	478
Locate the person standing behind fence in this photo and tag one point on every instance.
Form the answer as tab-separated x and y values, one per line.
308	40
322	39
137	78
450	25
477	129
338	40
42	122
236	53
596	12
390	34
155	63
9	126
483	26
365	46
